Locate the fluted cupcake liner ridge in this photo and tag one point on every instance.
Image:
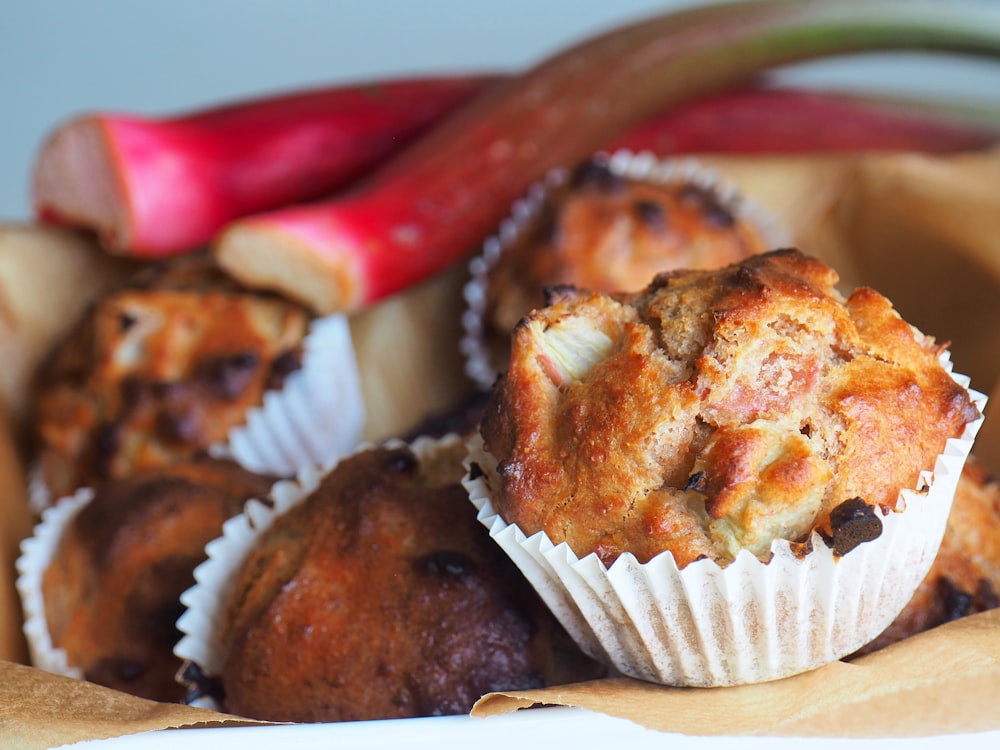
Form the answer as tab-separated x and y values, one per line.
750	621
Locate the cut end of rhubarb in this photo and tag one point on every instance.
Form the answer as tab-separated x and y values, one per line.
76	183
279	259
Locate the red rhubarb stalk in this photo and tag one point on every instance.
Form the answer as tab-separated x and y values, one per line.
157	186
787	121
435	201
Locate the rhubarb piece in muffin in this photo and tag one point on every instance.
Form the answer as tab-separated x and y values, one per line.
111	588
610	226
378	596
158	371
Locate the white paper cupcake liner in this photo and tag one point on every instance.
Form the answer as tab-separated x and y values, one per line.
644	166
206	601
706	626
37	553
39	495
318	414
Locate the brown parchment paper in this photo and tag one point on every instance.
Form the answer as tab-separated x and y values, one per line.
923	230
47	276
939	682
40	710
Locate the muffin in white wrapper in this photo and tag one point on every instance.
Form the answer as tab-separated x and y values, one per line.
317	414
750	621
37	551
180	361
101	576
608	243
365	592
206	601
730	476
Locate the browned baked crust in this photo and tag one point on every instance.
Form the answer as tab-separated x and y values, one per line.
608	232
716	411
965	576
112	589
381	596
159	370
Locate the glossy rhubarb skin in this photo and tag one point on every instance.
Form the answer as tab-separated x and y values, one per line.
157	186
758	120
435	201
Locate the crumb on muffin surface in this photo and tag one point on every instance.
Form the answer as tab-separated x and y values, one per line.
714	411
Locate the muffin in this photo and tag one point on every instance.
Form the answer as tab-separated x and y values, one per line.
737	415
102	578
610	225
375	595
965	576
161	369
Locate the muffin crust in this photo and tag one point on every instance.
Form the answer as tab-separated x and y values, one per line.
380	596
159	370
716	411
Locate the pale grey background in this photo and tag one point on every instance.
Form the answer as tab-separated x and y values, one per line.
58	57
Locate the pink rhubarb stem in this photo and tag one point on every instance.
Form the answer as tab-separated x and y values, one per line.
791	121
434	202
157	186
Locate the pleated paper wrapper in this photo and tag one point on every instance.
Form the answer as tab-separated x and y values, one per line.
750	621
37	552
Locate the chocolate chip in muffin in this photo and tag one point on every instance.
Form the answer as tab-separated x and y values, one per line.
714	213
651	214
853	522
597	174
228	375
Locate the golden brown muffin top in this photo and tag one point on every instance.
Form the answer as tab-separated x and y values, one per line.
716	411
159	370
608	232
381	596
112	589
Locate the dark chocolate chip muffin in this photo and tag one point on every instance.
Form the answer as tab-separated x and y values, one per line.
159	370
380	596
111	590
